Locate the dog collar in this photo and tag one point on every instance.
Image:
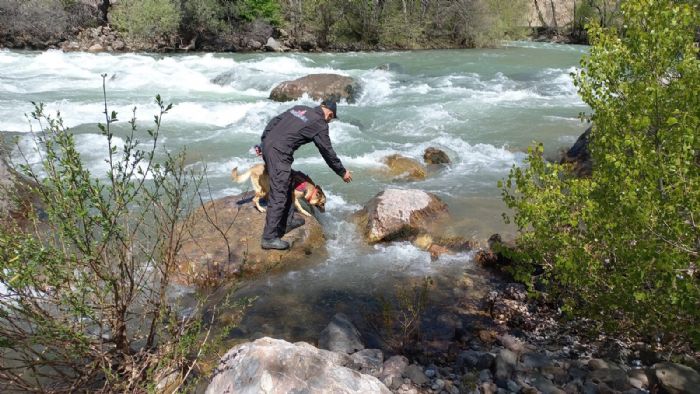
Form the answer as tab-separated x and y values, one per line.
313	193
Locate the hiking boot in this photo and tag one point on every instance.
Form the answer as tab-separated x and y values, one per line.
274	243
294	223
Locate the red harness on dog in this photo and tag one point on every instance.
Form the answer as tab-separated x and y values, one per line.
302	187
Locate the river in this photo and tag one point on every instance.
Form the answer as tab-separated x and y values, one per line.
483	107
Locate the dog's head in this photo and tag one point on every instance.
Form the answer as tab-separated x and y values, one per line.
318	200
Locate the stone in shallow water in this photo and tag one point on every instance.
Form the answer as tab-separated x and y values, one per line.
341	336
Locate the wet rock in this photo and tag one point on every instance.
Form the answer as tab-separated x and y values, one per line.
275	366
485	375
395	67
318	87
119	45
416	374
368	361
579	155
472	359
438	246
404	168
341	336
209	257
393	370
435	156
396	214
677	378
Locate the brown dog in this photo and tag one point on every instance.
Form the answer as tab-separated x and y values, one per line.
304	187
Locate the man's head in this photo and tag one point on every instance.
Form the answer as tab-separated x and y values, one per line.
329	110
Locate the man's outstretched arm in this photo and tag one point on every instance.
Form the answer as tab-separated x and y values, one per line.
323	142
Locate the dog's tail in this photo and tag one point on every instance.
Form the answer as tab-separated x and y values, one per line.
240	178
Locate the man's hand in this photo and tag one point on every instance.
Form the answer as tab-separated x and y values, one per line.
347	177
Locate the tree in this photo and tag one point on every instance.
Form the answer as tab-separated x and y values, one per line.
622	246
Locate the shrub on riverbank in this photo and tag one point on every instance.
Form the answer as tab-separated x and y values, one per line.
623	246
84	301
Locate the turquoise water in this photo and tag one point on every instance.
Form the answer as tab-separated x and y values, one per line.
483	107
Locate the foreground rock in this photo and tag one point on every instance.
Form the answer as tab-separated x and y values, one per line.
318	87
579	156
405	168
397	214
677	378
223	241
276	366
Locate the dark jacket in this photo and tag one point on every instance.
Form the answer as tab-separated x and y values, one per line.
297	126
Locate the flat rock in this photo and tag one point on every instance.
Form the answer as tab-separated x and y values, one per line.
318	87
341	336
399	214
275	366
222	240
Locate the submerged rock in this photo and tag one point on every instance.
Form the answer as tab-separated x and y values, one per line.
397	214
318	87
222	240
341	336
275	366
404	168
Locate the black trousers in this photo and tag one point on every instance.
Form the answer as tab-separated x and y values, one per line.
280	209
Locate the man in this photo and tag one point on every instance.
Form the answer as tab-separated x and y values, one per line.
282	136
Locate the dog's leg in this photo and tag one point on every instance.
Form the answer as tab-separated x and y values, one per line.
299	208
256	201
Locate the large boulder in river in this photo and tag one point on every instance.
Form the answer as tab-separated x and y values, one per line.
275	366
579	155
318	87
405	168
400	214
223	241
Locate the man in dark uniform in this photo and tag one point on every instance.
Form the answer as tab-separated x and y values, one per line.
283	135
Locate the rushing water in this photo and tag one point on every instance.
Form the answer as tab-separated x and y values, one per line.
483	107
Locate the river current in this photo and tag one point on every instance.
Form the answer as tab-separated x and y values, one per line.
483	107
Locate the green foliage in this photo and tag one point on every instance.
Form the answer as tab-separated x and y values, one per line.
267	10
205	15
622	246
146	19
84	291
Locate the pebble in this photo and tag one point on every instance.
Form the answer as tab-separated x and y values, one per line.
485	375
430	373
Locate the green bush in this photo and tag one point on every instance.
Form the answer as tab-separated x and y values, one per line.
146	19
205	15
267	10
84	303
622	246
